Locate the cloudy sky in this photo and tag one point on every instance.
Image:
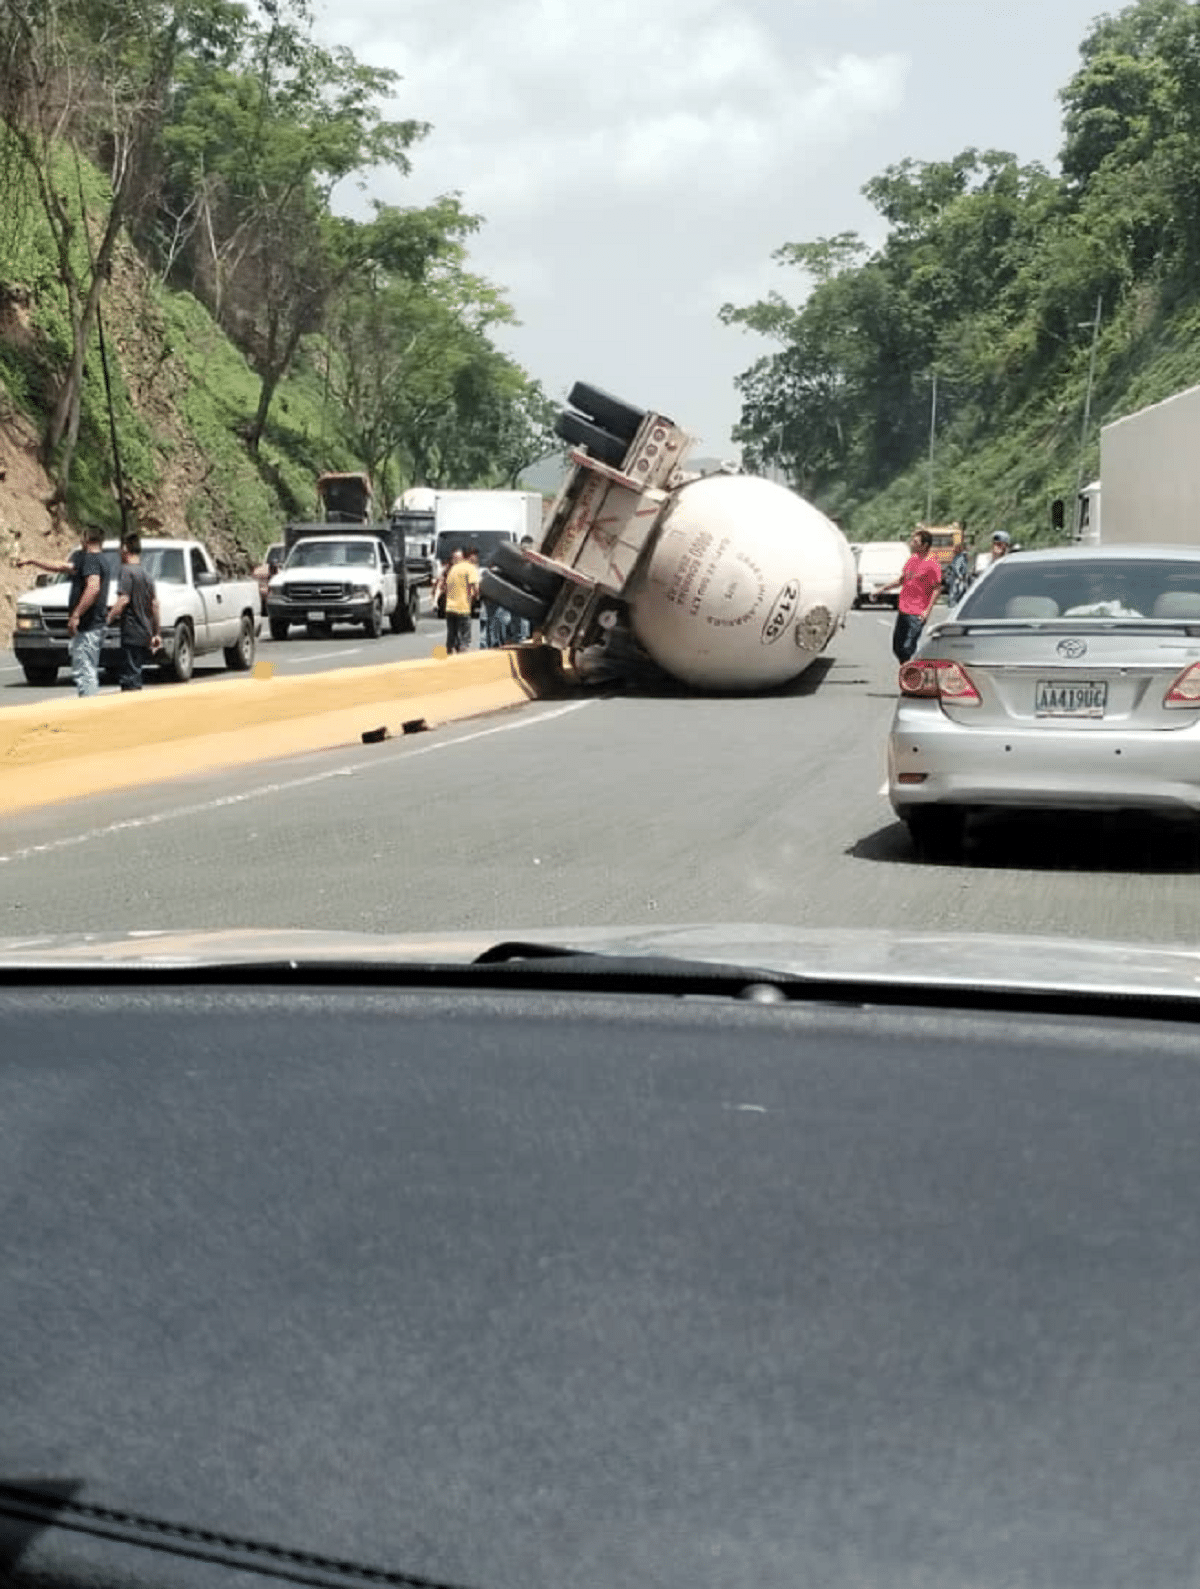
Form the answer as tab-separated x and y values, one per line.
637	161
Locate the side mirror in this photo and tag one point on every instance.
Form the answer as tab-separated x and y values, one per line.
1058	513
205	578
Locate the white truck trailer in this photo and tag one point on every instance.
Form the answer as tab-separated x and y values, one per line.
1149	485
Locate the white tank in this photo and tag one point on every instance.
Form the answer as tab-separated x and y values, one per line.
745	586
417	499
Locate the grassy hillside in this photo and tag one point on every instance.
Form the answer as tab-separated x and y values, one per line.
1003	470
183	396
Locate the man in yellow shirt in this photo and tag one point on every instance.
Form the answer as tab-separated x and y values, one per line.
461	585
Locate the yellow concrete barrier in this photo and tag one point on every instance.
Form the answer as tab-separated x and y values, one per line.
61	750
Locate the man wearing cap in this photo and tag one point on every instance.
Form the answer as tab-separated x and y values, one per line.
1001	545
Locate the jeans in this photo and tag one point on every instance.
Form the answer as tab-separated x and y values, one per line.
906	634
497	626
133	659
458	631
85	659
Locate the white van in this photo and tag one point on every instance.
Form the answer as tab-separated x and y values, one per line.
879	564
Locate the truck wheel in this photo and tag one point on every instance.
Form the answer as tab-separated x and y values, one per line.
618	418
239	657
509	564
279	628
600	444
407	611
373	623
184	658
503	593
36	674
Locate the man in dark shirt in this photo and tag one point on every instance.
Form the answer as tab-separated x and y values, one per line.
85	607
136	610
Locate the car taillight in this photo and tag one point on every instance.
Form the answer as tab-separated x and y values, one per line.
1186	689
948	681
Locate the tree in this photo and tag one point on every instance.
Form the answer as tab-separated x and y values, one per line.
92	73
264	129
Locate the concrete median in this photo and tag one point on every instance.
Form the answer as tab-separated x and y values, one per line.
52	752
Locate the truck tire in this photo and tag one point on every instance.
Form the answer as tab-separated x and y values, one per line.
373	624
239	657
36	673
600	443
507	561
502	592
618	418
279	628
183	659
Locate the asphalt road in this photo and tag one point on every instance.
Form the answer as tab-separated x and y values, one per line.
344	648
608	810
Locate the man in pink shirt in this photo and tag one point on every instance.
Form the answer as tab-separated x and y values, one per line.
920	584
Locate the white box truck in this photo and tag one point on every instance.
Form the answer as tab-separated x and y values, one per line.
482	518
1149	479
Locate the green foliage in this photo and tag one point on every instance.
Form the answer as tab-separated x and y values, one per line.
275	338
989	276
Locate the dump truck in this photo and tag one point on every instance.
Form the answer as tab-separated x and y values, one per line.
327	596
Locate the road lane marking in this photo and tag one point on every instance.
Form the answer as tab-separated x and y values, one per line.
322	656
155	818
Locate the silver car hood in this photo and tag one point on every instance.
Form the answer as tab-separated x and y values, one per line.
871	958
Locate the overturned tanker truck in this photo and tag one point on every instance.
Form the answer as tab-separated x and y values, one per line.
725	582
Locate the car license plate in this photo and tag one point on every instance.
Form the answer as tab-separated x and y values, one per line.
1080	698
314	617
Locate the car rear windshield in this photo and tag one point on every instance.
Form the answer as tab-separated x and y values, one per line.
1087	587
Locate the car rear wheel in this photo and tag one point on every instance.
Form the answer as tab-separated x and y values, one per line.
936	832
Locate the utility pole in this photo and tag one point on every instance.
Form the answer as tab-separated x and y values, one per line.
932	435
1087	413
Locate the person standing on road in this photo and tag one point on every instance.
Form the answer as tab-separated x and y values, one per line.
85	606
958	575
462	580
136	610
920	584
1001	545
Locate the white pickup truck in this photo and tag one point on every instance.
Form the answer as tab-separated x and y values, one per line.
335	575
199	612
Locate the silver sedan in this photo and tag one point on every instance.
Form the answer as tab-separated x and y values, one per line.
1064	679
